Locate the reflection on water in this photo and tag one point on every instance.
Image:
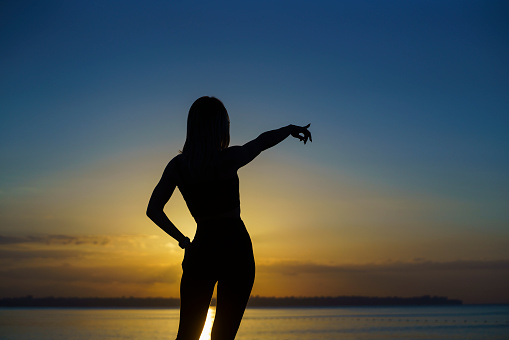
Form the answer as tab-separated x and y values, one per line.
360	323
207	328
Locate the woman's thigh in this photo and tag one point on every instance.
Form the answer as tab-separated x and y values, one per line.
233	291
196	288
195	295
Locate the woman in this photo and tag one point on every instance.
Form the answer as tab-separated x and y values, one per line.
221	252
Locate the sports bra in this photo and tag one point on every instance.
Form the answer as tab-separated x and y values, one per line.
211	197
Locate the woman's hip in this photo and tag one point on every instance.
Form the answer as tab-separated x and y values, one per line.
220	247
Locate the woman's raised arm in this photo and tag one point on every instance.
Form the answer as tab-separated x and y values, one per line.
242	155
160	196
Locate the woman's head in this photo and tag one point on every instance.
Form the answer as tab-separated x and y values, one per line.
208	129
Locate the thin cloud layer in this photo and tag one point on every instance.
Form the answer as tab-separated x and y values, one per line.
419	265
474	281
68	273
73	240
55	239
143	265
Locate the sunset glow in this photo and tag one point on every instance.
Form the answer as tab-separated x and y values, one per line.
404	190
207	328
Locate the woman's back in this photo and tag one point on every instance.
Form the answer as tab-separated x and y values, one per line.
209	193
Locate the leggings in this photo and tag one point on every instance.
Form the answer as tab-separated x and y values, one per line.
221	253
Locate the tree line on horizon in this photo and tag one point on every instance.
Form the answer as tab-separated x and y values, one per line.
254	301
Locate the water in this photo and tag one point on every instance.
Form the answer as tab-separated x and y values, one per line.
458	322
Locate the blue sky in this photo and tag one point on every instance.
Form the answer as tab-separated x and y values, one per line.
408	103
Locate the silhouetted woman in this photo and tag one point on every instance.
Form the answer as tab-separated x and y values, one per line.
221	252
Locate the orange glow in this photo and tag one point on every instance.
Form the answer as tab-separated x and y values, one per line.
207	328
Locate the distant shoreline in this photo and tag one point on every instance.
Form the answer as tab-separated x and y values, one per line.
254	302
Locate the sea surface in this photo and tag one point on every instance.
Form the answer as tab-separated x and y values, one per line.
447	322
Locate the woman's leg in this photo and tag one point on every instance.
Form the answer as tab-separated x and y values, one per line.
232	297
234	286
195	295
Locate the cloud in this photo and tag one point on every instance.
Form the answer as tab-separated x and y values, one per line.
126	274
122	264
470	280
55	239
45	250
60	239
418	265
88	265
78	280
15	254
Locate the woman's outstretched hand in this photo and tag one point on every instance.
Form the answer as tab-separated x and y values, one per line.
302	133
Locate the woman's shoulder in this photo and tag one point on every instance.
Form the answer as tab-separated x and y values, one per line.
177	158
239	155
173	165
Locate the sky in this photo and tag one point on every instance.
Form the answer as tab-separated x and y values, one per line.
404	190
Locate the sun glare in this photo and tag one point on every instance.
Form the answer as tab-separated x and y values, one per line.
207	328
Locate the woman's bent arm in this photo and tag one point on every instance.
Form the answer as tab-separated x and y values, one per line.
160	196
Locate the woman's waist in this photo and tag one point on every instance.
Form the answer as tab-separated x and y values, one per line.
225	215
221	227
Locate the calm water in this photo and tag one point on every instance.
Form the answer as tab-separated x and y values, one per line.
461	322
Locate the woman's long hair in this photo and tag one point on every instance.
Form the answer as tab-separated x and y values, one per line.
208	132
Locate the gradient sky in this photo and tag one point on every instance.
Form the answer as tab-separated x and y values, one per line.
404	190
